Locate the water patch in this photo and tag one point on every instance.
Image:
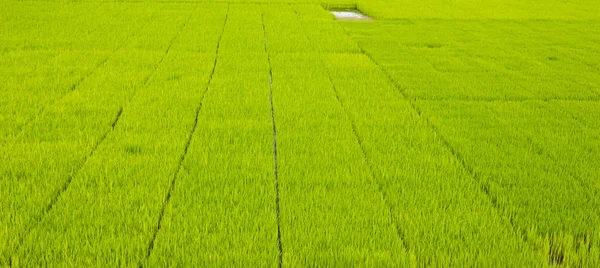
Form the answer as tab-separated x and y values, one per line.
349	14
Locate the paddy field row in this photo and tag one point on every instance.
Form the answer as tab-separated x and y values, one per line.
245	134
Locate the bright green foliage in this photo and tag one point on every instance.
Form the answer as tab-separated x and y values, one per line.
476	9
263	133
223	208
525	177
323	34
491	90
506	153
332	211
229	169
495	60
445	217
283	30
42	62
72	129
578	146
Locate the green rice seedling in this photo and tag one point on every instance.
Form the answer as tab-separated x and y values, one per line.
284	32
464	61
332	212
28	27
443	214
243	31
128	178
476	10
523	178
321	170
45	158
322	31
32	80
451	66
577	148
42	65
557	131
205	29
131	173
266	133
223	208
306	12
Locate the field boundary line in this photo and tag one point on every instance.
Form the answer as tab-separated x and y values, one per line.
167	199
83	78
275	169
66	185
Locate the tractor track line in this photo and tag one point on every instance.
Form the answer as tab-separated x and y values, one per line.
275	171
187	146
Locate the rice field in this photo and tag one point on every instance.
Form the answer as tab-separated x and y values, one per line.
266	133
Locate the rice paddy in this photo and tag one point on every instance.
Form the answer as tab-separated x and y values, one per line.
269	133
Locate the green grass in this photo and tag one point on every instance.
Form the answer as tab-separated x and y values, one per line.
265	133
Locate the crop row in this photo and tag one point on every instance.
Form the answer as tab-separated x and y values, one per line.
426	9
471	60
223	207
61	176
159	148
532	159
43	62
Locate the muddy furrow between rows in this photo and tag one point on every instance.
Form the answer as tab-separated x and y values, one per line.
275	172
